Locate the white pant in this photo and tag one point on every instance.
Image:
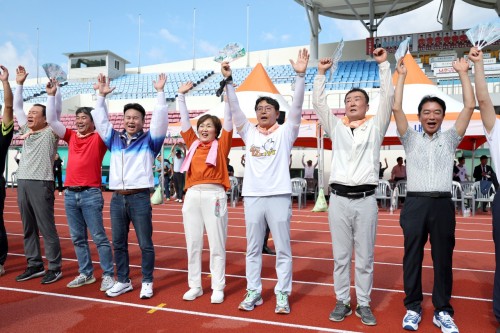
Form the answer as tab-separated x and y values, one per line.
276	211
205	206
353	223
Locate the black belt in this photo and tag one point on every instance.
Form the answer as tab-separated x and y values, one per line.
354	195
77	188
131	191
434	194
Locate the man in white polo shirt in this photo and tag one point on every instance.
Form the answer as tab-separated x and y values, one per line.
352	212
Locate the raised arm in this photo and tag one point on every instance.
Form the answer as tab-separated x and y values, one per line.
8	98
383	116
100	114
303	162
300	67
58	101
461	66
239	118
183	89
159	119
488	115
51	112
21	76
326	118
397	106
228	117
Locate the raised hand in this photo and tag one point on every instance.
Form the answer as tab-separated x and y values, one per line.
104	88
51	87
225	69
380	55
185	87
461	65
4	75
475	55
300	65
160	83
324	64
21	75
401	68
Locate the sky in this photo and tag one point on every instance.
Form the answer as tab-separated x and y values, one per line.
31	33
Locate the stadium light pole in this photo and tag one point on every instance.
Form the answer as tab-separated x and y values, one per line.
37	49
139	48
90	25
194	35
248	29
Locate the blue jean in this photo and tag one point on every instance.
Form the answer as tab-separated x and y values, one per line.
84	210
166	186
135	208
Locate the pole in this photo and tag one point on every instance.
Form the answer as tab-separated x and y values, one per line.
139	48
90	22
194	35
37	52
248	30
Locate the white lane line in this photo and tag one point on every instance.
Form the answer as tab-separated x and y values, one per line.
185	312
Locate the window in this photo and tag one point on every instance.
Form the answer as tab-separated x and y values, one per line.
117	65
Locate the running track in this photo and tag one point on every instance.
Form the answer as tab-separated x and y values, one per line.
30	306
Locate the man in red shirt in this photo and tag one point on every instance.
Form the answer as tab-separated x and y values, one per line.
83	198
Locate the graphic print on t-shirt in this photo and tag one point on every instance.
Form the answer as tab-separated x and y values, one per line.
267	149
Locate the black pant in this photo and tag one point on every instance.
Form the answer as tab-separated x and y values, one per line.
422	217
4	244
496	239
58	179
179	184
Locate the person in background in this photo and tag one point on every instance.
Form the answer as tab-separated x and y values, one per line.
179	177
398	171
58	165
230	168
483	172
462	170
309	168
382	170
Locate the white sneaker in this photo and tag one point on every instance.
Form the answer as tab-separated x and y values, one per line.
192	294
180	200
2	270
411	320
119	288
107	282
217	297
146	290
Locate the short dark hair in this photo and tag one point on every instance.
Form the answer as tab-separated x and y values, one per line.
461	158
399	159
43	108
361	91
85	109
430	98
215	120
135	106
483	157
269	100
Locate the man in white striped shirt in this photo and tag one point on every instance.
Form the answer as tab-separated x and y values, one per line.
429	211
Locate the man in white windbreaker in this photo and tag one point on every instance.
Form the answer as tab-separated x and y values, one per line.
130	177
352	213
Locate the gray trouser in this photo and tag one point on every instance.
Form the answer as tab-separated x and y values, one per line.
36	205
353	223
276	212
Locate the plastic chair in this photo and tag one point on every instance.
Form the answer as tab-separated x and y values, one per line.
383	192
401	193
481	197
468	195
457	195
299	190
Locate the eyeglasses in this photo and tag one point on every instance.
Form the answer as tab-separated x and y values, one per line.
265	109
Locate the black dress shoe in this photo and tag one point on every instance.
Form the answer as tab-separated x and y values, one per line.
267	250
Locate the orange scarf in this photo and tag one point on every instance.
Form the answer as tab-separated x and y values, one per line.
268	131
354	123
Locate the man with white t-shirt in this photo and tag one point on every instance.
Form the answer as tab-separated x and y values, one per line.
266	186
462	170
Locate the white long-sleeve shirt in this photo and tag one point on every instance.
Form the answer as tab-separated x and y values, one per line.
356	156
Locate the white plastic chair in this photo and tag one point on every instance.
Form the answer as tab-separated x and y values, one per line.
468	194
401	193
384	192
234	191
480	197
299	190
457	195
